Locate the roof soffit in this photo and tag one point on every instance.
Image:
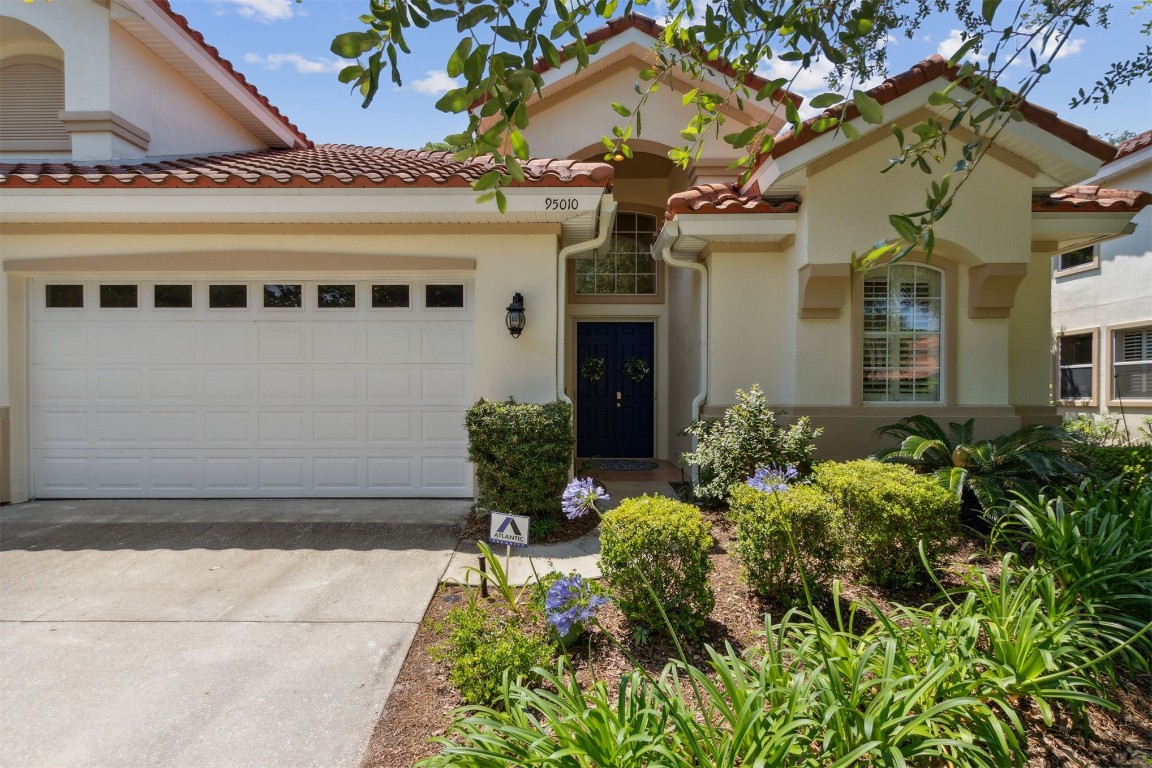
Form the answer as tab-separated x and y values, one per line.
1058	162
167	35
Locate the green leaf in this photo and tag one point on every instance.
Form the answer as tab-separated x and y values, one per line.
988	10
741	139
938	99
519	147
621	110
350	73
849	131
455	100
968	45
824	123
487	181
688	97
770	88
458	57
905	227
351	45
899	134
870	109
825	100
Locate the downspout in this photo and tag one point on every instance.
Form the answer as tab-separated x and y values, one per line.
666	254
603	230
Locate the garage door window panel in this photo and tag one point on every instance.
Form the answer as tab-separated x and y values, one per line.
336	296
64	296
283	296
227	297
119	296
392	296
172	296
443	296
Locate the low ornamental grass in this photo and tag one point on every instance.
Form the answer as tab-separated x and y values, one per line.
938	685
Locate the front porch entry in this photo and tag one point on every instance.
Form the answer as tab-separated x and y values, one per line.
614	389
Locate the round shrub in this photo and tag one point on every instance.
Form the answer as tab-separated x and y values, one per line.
763	524
522	453
746	438
481	647
656	549
889	510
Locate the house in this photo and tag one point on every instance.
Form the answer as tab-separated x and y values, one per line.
200	302
1102	308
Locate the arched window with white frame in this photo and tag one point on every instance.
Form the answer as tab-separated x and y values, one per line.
902	334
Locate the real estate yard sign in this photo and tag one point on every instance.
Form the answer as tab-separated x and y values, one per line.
508	529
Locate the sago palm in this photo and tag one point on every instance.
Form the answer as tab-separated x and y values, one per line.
989	470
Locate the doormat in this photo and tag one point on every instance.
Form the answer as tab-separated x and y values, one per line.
619	465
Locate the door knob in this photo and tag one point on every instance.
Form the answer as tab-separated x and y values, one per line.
619	395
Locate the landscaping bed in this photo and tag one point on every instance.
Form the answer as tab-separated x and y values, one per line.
423	700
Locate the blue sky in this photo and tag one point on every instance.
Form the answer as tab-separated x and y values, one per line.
282	47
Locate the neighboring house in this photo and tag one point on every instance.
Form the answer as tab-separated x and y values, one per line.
1102	308
199	302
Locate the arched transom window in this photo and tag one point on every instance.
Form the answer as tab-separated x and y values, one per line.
902	334
628	268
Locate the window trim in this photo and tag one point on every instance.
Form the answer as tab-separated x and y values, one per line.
1091	265
619	298
1057	368
948	341
1112	330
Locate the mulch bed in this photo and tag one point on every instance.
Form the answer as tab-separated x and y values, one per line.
423	700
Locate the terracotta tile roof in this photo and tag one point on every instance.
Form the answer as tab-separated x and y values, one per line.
651	28
326	165
1088	199
165	6
926	71
724	198
1133	145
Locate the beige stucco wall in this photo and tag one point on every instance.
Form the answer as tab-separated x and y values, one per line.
180	119
106	70
990	367
583	116
523	368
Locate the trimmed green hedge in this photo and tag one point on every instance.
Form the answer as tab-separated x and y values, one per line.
763	523
889	509
1108	461
658	544
522	453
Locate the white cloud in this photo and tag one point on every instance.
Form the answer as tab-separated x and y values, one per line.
1070	48
266	11
302	65
436	82
952	43
810	82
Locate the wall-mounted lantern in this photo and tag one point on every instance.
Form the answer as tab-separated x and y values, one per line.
515	317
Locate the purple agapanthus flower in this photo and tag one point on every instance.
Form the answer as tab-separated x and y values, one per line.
580	497
773	479
570	601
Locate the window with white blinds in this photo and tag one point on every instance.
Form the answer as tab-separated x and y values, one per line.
903	318
1132	363
31	99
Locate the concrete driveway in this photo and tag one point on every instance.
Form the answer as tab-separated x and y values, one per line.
196	634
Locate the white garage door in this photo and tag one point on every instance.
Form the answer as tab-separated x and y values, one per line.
220	388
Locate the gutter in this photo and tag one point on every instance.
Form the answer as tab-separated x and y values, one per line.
604	229
672	229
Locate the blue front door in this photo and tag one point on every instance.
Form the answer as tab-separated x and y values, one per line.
614	392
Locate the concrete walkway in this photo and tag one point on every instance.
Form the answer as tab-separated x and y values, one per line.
209	633
581	555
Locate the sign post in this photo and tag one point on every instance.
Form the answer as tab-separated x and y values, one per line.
509	530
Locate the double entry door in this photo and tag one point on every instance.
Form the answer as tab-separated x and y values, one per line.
614	391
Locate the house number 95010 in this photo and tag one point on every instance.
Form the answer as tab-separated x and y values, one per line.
561	204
